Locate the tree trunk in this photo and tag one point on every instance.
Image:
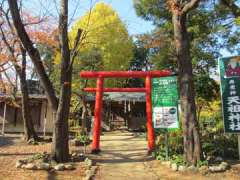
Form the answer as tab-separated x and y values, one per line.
60	149
84	107
33	53
84	113
29	131
187	95
199	110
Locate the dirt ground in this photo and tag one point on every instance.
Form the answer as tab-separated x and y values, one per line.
12	148
123	157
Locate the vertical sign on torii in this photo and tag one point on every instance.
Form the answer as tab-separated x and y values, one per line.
100	76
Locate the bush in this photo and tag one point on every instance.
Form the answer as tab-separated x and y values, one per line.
175	144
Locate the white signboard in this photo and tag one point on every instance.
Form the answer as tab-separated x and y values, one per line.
165	117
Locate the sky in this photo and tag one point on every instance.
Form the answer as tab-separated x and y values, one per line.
126	11
77	8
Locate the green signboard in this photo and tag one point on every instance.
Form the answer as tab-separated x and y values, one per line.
230	91
165	102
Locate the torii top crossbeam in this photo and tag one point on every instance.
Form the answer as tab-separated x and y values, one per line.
124	74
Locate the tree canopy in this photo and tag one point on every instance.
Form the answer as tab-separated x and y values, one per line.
105	45
104	30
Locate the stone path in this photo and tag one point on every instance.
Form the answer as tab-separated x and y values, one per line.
123	156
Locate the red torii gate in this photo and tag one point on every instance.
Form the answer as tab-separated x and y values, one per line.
99	94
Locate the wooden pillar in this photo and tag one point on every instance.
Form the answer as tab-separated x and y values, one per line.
150	129
4	118
45	108
97	116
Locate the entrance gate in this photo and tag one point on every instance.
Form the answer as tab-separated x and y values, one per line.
148	75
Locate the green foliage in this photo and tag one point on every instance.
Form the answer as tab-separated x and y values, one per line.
103	30
175	144
219	145
83	138
210	27
38	156
202	163
105	44
214	142
90	60
178	159
228	32
139	62
140	58
152	10
237	21
202	28
47	55
211	119
206	87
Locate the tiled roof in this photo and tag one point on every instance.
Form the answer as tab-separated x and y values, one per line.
115	96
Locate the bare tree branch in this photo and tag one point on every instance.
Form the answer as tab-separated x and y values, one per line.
75	47
189	6
34	22
33	52
8	78
232	6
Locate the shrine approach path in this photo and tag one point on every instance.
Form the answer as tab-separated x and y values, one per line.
124	157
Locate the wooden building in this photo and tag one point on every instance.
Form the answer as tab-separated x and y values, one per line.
11	114
122	110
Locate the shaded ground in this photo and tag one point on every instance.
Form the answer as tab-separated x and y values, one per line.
123	157
12	148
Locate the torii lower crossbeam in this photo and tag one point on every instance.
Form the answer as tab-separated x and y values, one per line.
148	75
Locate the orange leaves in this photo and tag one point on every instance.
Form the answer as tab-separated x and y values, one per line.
41	30
154	40
6	87
3	58
172	5
44	37
28	19
44	32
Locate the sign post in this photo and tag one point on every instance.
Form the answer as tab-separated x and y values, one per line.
165	105
229	69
